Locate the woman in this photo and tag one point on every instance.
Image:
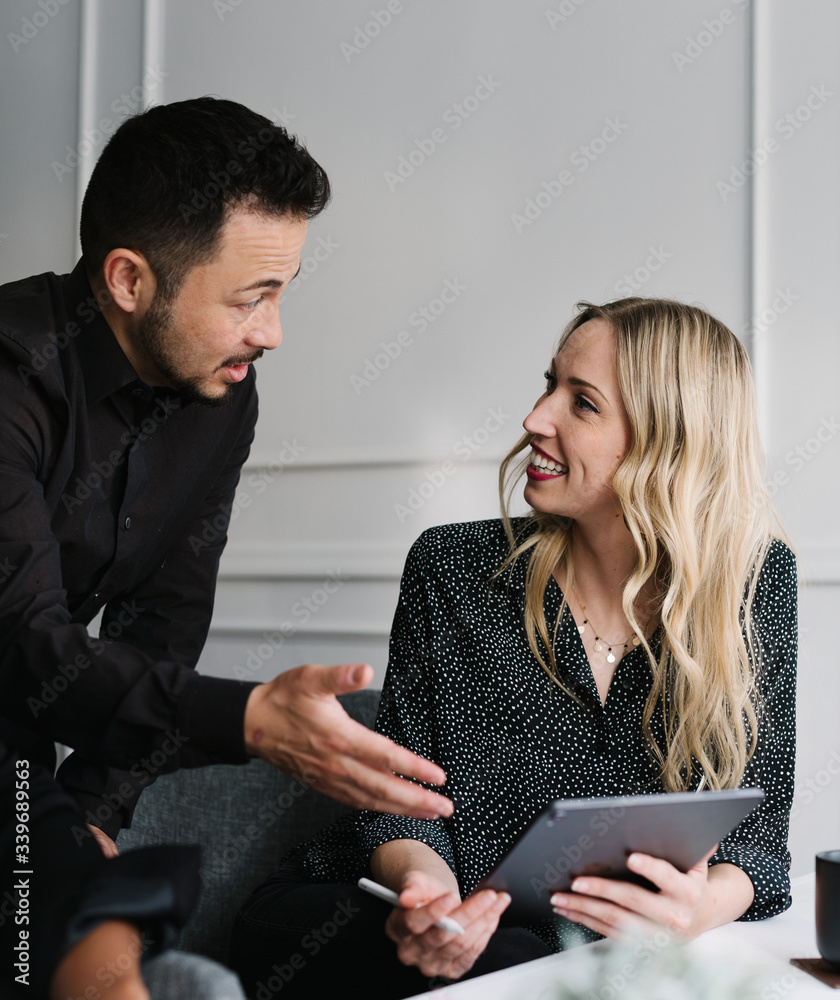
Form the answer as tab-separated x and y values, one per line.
636	633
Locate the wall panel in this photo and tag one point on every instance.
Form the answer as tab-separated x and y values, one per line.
492	163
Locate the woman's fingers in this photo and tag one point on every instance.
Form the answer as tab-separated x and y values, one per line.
613	907
451	955
438	952
664	875
421	919
455	957
419	888
601	915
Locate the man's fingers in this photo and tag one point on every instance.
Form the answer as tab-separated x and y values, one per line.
403	761
351	739
106	845
369	762
368	788
296	723
300	707
339	679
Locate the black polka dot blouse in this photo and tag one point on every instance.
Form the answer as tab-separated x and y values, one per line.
464	690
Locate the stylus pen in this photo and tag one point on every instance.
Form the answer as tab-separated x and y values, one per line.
375	889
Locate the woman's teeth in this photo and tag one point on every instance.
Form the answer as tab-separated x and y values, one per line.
547	465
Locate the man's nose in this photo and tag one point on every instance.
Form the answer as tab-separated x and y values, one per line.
268	335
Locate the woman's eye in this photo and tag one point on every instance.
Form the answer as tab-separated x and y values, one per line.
582	403
551	381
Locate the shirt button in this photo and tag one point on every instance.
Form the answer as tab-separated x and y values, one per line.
127	523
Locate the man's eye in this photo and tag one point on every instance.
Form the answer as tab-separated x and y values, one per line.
252	304
551	381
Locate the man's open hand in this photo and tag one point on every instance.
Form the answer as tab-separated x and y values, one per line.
296	723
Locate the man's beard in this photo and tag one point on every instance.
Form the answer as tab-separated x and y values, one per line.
158	335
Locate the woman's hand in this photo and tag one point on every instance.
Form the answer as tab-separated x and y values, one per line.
434	951
687	903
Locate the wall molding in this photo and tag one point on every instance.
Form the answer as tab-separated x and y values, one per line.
112	28
819	565
360	631
342	461
152	46
360	561
89	37
759	204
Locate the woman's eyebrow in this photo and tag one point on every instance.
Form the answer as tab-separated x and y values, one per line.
573	380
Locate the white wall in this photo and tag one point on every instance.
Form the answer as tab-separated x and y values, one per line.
797	357
690	92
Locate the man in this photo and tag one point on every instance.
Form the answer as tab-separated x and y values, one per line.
129	405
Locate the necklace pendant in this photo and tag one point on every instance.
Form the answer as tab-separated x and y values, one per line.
610	657
581	628
636	641
597	647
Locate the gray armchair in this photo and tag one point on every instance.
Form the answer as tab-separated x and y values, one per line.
245	818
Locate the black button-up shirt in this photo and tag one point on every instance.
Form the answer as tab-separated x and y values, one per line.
113	494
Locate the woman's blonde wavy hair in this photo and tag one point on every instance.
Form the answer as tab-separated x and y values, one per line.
692	491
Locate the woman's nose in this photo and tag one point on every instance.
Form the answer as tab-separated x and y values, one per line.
539	421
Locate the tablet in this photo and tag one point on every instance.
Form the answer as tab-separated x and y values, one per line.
572	837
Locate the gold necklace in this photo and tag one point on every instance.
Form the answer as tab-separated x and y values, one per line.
598	645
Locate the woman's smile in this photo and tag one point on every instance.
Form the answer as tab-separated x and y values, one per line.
544	467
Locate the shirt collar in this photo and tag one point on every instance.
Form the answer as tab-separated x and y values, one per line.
105	368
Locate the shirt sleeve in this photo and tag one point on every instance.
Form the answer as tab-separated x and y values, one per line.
111	701
758	845
406	709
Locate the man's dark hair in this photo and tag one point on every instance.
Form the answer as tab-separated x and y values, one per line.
167	178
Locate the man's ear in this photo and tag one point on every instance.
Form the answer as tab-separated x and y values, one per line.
128	279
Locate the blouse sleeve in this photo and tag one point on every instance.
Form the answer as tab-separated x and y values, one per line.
406	712
758	845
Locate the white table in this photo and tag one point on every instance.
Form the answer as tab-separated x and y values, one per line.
737	946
